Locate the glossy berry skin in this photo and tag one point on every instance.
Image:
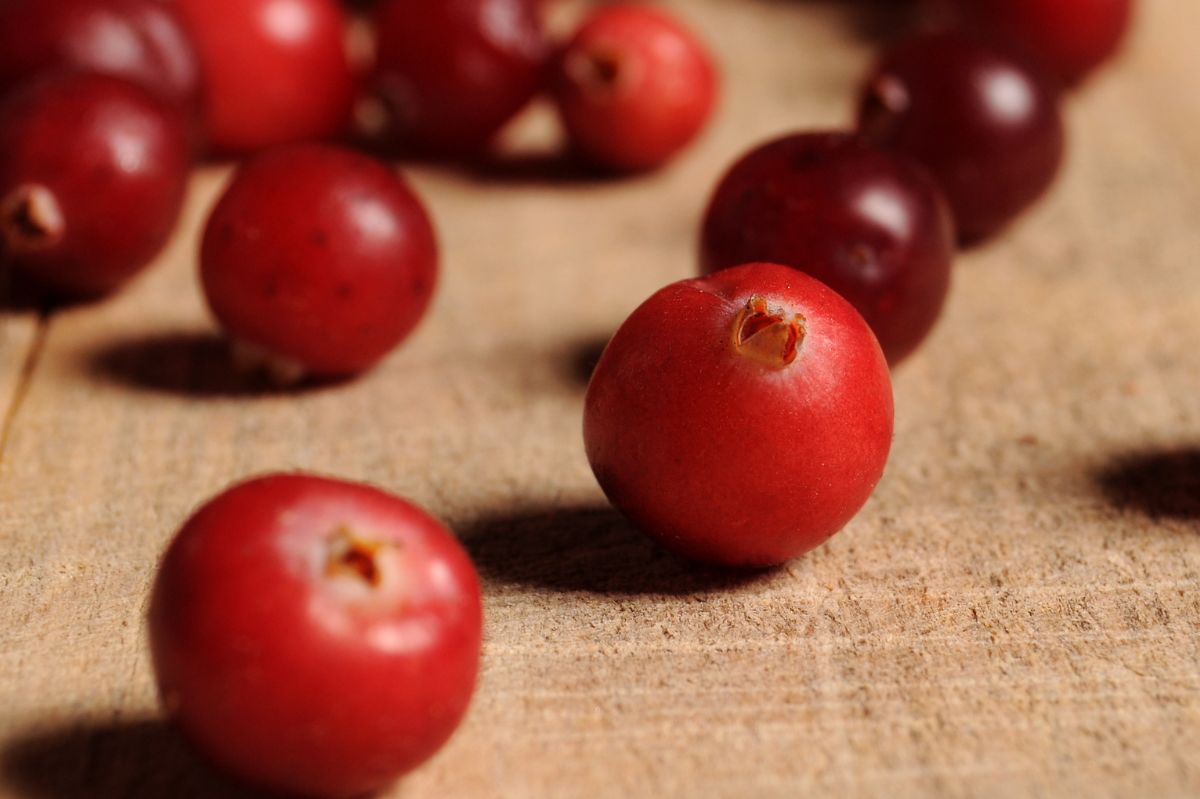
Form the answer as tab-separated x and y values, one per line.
633	87
869	224
1069	37
143	41
449	75
93	172
275	71
314	636
321	258
985	123
741	418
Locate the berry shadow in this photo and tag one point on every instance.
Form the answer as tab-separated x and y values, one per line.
873	20
19	294
533	167
143	759
538	169
196	364
581	359
1163	484
586	549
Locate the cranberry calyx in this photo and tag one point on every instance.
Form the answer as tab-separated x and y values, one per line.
766	334
353	556
30	218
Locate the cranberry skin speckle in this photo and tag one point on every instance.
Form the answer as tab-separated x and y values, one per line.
93	172
634	87
315	636
869	224
985	123
275	71
451	74
741	418
143	41
1070	37
319	256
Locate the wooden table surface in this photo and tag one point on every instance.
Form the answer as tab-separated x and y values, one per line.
1016	611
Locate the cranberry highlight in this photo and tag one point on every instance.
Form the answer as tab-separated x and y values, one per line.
985	123
741	418
869	224
315	636
633	87
318	260
93	172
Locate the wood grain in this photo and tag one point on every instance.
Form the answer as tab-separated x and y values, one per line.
1014	613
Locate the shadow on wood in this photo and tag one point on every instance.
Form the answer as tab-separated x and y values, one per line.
582	360
191	363
586	549
19	294
126	760
875	20
1159	483
542	169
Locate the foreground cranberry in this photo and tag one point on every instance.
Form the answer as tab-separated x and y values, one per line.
275	71
985	123
870	225
1071	37
315	636
320	258
141	40
450	74
741	418
93	171
633	87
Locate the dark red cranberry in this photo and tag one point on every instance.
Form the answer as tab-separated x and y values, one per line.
93	171
1071	37
869	224
984	122
318	259
449	75
143	41
274	71
633	87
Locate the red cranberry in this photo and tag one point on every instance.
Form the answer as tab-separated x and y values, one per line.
93	171
984	122
633	87
315	636
741	418
451	74
141	40
320	258
870	225
1071	37
275	71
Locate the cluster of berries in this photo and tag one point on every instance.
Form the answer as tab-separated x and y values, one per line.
323	637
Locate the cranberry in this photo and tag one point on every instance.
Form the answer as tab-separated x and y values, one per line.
320	258
93	171
869	224
633	87
275	71
451	74
141	40
986	123
1071	37
741	418
315	636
